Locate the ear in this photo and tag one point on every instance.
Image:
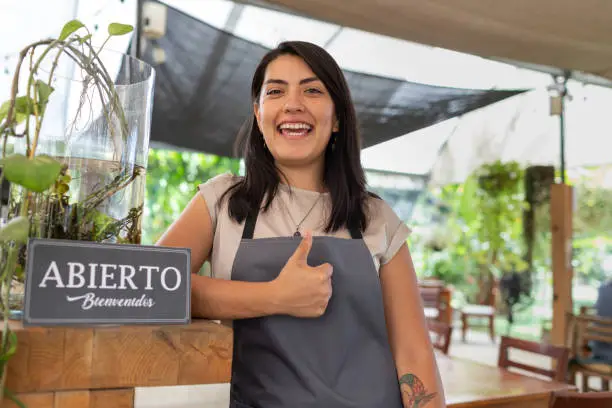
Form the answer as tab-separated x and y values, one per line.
336	127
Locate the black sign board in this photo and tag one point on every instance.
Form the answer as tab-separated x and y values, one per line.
87	283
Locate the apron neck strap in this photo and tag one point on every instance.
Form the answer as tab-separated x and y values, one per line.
249	225
251	220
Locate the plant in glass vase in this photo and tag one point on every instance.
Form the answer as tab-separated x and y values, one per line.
77	124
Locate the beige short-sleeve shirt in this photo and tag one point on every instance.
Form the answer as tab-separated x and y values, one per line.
384	236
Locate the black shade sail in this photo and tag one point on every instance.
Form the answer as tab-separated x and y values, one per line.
202	92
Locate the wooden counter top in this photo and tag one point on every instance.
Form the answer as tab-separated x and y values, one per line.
51	360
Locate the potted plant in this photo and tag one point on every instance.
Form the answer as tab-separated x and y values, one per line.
75	133
499	201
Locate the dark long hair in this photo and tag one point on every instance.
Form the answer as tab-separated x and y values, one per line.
343	174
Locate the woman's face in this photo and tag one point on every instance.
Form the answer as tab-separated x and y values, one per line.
295	113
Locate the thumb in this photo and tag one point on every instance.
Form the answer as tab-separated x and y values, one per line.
327	268
302	251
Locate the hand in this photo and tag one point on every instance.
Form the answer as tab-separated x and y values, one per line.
303	291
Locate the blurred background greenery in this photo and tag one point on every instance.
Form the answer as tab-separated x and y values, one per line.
468	235
172	180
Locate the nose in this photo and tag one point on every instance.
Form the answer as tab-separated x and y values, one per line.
293	102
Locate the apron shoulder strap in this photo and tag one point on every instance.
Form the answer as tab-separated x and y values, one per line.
249	225
355	232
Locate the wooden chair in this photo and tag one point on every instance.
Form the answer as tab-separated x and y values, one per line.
568	399
442	335
581	330
430	296
560	354
480	311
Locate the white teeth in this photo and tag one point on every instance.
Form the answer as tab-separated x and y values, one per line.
295	126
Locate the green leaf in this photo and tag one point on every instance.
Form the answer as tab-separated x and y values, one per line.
23	107
4	110
102	222
37	174
44	91
62	189
83	40
119	29
16	229
69	28
12	343
13	398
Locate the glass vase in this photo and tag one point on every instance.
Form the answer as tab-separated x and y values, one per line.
97	124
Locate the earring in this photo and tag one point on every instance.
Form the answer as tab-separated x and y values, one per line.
334	137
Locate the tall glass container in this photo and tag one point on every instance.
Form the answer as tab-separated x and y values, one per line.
97	124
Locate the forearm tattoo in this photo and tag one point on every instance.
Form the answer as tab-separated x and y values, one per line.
414	391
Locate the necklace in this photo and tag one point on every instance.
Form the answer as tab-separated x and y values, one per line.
297	227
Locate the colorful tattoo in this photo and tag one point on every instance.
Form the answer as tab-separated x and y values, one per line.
414	391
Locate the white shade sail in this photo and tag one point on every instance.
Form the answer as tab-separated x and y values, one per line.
518	128
564	34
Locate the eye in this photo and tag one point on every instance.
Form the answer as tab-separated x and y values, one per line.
273	92
314	90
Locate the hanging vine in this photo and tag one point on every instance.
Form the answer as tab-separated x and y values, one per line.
499	203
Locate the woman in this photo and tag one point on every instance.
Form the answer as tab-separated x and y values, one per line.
333	320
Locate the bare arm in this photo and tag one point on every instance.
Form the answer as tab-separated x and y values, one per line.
214	298
414	357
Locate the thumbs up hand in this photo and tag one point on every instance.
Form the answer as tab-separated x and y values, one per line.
303	290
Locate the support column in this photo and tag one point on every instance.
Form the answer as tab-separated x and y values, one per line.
561	210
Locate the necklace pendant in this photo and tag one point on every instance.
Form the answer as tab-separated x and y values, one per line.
297	234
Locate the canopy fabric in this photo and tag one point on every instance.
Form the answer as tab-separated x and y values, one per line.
519	128
522	130
424	151
442	151
203	84
557	33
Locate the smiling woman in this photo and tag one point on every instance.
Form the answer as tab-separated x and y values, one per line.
296	114
332	319
299	84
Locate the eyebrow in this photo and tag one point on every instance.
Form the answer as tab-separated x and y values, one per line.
283	82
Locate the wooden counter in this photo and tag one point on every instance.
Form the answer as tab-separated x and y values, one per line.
81	367
100	367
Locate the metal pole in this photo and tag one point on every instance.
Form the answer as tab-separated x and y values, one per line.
562	125
562	137
138	32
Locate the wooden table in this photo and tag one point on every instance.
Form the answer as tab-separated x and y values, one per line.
470	384
100	367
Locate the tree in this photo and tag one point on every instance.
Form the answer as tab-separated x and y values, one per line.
172	180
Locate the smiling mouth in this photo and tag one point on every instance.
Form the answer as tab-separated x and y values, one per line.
294	130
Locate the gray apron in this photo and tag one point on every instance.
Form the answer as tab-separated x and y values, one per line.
339	360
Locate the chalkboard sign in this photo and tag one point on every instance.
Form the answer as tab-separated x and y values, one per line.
87	283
